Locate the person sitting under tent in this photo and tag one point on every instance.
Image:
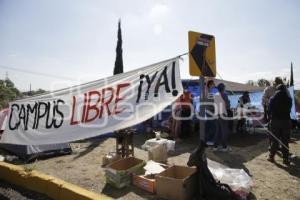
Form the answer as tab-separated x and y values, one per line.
186	101
181	125
148	126
166	125
280	109
243	103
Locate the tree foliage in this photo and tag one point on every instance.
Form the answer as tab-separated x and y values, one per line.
8	93
263	82
119	57
250	82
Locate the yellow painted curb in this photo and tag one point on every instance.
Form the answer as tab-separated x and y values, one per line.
53	187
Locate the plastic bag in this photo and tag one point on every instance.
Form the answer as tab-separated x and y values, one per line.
170	144
158	153
239	181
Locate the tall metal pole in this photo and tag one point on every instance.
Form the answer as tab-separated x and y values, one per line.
202	101
202	109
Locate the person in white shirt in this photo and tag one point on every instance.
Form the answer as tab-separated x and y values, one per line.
210	123
220	140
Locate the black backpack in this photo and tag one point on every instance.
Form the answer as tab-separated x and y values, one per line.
208	188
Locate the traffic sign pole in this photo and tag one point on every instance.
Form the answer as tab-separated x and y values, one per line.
202	108
202	62
202	103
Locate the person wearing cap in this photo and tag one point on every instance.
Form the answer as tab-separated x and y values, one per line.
279	112
268	93
221	105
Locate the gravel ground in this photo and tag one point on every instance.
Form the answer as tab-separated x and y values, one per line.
249	152
12	192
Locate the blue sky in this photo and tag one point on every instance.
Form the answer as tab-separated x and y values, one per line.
74	41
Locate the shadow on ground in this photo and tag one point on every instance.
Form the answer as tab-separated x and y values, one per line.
118	193
243	148
93	143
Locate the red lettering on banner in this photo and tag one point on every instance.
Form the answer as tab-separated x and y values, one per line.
84	107
104	102
108	97
92	107
118	98
73	122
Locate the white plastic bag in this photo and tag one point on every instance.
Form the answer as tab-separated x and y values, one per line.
239	181
158	153
153	142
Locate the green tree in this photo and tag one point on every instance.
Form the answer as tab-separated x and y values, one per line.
263	82
119	57
260	82
250	82
8	92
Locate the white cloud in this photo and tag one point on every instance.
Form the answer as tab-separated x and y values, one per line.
157	14
158	11
157	29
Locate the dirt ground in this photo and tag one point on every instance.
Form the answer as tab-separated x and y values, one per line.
272	181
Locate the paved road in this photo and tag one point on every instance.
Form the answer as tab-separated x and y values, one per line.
12	192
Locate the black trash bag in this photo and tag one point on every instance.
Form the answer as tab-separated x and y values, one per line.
208	188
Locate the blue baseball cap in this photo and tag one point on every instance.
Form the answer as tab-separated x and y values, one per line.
221	86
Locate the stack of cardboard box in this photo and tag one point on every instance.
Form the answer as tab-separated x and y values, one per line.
170	182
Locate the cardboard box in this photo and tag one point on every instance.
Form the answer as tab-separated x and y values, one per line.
176	182
148	182
118	174
110	158
145	182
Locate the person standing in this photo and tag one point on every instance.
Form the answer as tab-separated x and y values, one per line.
268	93
210	125
229	111
244	100
280	109
221	121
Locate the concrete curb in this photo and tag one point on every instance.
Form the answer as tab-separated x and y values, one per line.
45	184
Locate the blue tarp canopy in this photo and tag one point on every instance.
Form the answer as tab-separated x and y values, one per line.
255	97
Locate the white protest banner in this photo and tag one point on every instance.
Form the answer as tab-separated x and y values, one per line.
94	108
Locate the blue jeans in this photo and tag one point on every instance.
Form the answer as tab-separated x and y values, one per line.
210	130
221	133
